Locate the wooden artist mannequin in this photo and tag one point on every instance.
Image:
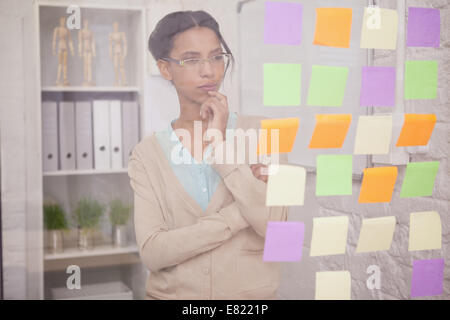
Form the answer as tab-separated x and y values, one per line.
117	53
86	51
62	34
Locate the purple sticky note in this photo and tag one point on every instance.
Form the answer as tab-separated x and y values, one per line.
283	23
284	241
427	277
378	86
424	27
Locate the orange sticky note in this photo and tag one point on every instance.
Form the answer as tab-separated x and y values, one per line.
333	27
330	130
378	184
287	131
416	130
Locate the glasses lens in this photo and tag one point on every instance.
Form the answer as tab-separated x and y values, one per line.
191	62
219	60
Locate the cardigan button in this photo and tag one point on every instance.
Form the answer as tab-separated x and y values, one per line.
206	270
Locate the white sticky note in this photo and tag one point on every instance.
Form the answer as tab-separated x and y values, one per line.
329	236
373	135
333	285
379	28
376	234
285	185
425	231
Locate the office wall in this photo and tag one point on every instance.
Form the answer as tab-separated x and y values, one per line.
395	264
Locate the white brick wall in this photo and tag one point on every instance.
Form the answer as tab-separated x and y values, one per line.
395	264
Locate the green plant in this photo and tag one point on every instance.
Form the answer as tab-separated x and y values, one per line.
88	212
54	217
119	212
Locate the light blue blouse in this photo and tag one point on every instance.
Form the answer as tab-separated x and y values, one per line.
200	180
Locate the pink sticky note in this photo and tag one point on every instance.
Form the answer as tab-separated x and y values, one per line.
424	27
284	241
283	23
427	277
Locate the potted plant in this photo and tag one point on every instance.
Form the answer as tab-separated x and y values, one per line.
87	215
55	222
119	213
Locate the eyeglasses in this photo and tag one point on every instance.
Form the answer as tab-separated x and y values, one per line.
216	61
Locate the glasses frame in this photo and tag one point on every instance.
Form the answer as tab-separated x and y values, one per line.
182	64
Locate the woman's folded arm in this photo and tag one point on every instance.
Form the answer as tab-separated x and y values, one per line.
161	247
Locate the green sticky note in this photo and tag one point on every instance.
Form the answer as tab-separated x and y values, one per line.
327	86
282	84
334	175
421	77
419	179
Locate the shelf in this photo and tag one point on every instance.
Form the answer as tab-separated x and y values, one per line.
82	172
89	89
103	250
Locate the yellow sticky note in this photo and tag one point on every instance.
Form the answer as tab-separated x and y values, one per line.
379	28
373	135
333	27
425	231
376	234
285	185
269	142
329	236
330	130
333	285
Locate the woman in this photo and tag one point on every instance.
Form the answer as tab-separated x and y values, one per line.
200	227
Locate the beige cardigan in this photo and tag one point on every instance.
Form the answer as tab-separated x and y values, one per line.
196	254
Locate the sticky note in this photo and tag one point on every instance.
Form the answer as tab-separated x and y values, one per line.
376	234
284	241
286	129
329	236
327	86
379	29
416	130
373	135
425	231
427	278
333	27
333	285
285	185
282	84
334	175
283	23
330	130
378	184
421	77
377	86
424	27
419	179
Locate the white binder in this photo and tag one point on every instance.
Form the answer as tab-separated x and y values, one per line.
102	144
83	135
115	109
66	135
130	128
49	136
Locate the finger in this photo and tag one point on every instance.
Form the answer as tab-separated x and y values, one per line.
204	108
222	98
215	107
218	95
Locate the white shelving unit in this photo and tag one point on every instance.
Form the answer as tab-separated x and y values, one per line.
104	265
99	251
82	172
90	89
